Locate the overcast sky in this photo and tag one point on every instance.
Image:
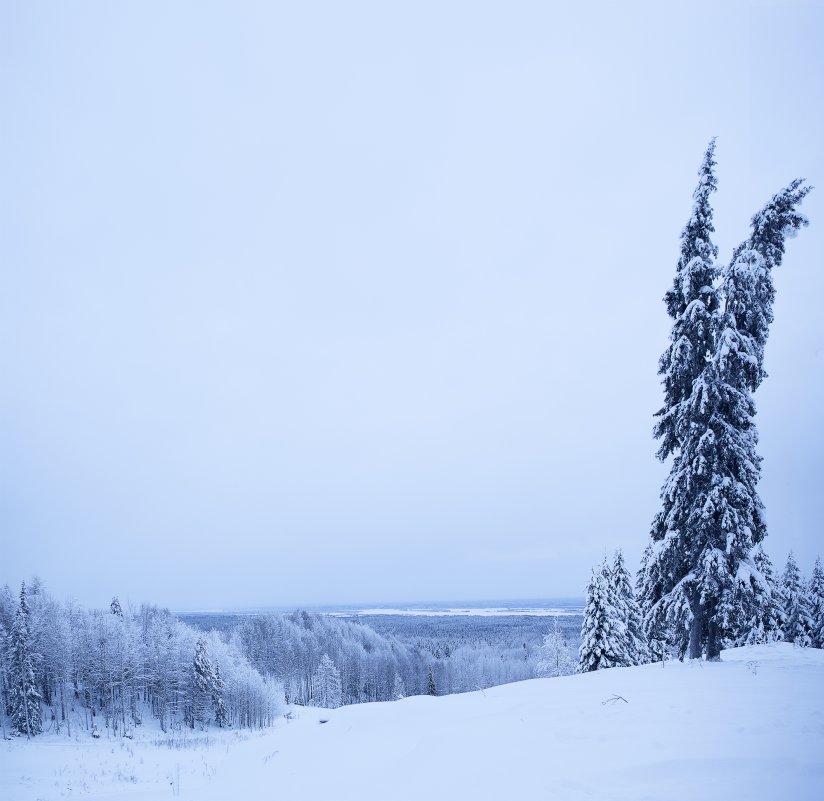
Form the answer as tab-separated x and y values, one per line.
309	303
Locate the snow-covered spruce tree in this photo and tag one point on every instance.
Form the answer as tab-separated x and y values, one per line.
648	584
555	658
202	685
7	612
816	595
4	678
798	622
603	632
115	607
25	699
326	687
431	689
637	649
691	302
218	693
764	616
699	576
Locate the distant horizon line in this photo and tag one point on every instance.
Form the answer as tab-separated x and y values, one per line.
549	602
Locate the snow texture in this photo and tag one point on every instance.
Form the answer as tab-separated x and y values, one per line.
748	727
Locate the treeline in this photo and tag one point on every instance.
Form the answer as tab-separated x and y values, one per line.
62	666
106	671
372	666
449	632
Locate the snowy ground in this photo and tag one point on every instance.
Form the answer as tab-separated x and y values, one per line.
751	727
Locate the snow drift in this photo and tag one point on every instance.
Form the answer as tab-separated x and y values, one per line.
749	727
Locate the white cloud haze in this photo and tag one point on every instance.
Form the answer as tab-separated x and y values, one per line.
357	302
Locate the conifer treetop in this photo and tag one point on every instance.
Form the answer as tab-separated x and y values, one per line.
695	271
691	302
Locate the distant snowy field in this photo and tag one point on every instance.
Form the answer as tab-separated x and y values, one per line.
750	727
545	607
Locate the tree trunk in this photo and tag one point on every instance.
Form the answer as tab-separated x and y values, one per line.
696	631
713	643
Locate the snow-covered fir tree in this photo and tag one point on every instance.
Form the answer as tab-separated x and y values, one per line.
203	681
555	657
218	693
431	688
691	302
699	577
816	596
24	697
798	622
603	632
764	617
5	698
636	647
326	686
116	608
648	584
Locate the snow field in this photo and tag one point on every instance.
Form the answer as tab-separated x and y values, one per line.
750	727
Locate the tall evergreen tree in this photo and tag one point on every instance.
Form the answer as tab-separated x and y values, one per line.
603	632
218	692
816	595
699	575
202	684
25	699
798	622
636	648
692	302
5	695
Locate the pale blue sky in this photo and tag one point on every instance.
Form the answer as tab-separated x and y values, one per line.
324	302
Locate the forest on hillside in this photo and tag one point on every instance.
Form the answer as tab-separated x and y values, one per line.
109	670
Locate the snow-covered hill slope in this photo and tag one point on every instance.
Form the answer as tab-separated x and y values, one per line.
750	727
